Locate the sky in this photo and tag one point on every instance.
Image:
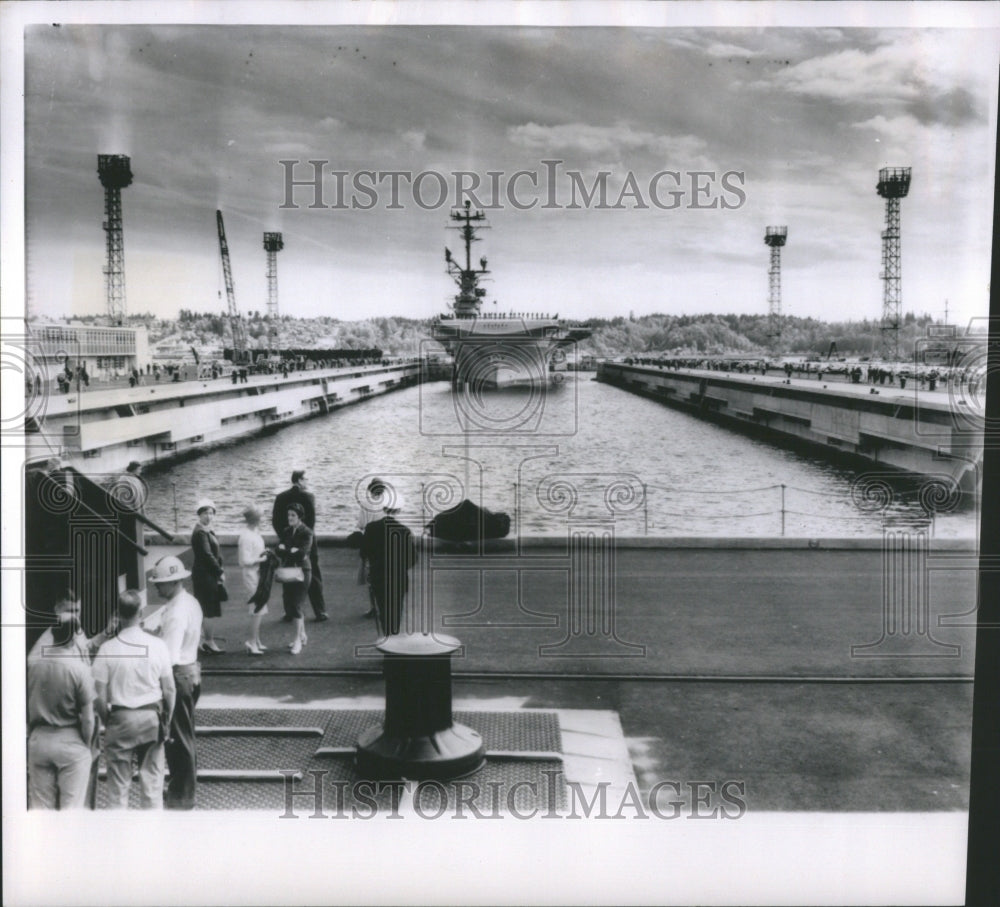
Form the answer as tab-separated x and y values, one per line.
787	126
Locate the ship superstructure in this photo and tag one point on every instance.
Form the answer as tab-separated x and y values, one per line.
490	349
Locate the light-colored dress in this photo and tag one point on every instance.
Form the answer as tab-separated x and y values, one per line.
250	547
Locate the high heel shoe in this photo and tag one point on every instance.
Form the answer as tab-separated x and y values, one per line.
261	646
252	649
210	646
296	646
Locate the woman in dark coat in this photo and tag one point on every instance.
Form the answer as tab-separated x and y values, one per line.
207	575
295	543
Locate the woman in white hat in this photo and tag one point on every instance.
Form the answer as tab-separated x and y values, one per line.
207	575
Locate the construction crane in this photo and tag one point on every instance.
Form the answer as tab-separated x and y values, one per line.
241	353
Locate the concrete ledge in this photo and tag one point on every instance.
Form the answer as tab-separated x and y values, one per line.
223	774
243	774
242	731
538	543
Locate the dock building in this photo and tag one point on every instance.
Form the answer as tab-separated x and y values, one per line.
105	352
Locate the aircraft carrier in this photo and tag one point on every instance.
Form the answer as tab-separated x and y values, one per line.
493	349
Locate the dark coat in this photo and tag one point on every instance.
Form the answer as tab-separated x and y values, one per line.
388	547
300	538
206	570
293	495
262	594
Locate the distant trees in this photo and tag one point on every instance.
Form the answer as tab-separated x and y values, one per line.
655	333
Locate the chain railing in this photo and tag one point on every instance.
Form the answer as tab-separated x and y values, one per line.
906	504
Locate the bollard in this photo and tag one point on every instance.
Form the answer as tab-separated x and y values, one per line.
418	741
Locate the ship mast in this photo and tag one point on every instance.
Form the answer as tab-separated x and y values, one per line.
470	294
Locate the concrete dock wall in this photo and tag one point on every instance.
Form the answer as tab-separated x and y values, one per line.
101	431
913	431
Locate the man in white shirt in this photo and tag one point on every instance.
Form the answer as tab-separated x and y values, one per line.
60	723
135	699
179	626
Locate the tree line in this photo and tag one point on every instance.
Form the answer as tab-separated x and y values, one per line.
654	333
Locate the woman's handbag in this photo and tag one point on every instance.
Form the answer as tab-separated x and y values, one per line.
223	593
289	575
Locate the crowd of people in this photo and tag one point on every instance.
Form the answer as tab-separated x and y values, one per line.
874	373
77	378
386	549
131	690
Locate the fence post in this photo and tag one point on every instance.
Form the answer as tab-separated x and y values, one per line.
517	518
782	509
173	486
645	509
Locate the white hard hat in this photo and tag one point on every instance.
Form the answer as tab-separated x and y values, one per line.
203	504
168	569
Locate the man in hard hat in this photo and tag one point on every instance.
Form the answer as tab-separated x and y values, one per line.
135	698
179	625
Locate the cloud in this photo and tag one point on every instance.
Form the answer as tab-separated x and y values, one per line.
720	49
601	140
922	72
300	150
414	138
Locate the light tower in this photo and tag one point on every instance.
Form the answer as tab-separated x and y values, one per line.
273	244
115	174
893	184
775	238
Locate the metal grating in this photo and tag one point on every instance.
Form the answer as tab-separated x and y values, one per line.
255	752
262	717
501	731
526	785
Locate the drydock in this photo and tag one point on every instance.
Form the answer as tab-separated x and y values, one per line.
937	434
100	431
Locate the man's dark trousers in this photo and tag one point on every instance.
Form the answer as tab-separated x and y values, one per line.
316	585
180	747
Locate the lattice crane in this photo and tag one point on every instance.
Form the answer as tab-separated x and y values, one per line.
241	352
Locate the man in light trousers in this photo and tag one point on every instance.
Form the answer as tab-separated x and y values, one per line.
135	699
60	722
179	626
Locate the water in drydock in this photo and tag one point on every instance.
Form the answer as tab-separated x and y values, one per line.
596	453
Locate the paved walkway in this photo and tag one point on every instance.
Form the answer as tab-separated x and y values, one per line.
745	672
675	611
